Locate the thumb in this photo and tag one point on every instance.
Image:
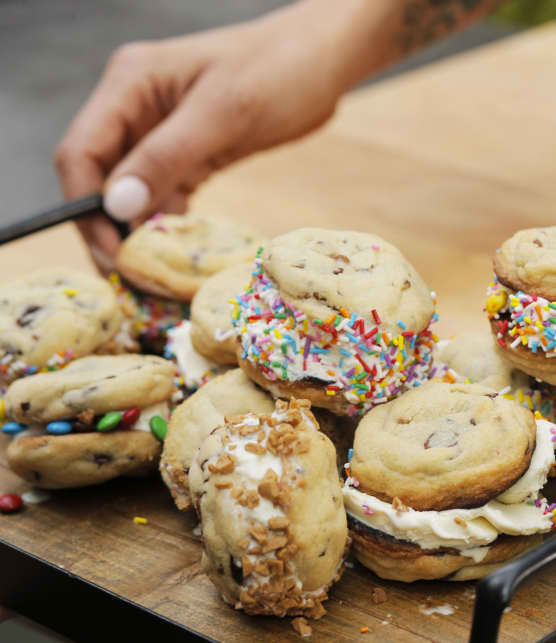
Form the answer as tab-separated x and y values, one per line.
175	156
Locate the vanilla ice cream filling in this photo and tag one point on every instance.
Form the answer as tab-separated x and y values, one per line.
193	367
516	512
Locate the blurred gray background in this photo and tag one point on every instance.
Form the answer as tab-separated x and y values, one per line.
52	53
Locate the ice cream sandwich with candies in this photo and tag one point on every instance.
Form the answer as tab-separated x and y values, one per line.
101	417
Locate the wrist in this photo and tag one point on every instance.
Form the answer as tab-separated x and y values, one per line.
354	37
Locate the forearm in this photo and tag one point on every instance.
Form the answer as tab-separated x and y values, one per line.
367	36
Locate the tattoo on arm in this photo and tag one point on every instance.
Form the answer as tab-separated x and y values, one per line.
425	21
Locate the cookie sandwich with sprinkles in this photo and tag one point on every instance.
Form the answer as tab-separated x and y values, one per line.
268	495
149	317
446	482
101	417
521	301
339	318
52	316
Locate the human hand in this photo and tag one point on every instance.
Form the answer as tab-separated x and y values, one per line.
166	114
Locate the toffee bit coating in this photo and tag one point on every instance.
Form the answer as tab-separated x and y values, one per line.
264	536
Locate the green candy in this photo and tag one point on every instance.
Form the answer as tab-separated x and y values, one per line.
159	427
109	421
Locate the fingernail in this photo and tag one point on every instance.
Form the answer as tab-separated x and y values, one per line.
103	260
127	198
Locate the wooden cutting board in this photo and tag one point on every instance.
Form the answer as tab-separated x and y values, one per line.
446	163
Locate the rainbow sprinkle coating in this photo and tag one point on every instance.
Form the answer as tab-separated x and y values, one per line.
523	320
363	363
12	368
151	316
547	508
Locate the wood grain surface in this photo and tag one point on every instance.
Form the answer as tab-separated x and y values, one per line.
446	163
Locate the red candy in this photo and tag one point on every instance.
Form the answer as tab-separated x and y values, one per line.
129	418
10	502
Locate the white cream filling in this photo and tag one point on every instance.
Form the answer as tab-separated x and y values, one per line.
463	529
536	475
160	408
191	365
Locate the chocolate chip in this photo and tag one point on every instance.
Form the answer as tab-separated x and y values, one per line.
406	284
25	406
27	316
538	243
102	458
492	395
338	257
440	439
338	271
105	325
473	421
323	553
237	571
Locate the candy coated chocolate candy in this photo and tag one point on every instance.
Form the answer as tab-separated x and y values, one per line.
159	427
130	417
109	421
58	428
10	502
12	428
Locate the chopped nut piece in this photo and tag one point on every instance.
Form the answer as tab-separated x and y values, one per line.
276	567
274	542
245	598
86	417
378	596
225	464
268	487
318	610
243	543
279	522
261	436
259	533
246	566
221	484
460	521
262	568
398	505
253	447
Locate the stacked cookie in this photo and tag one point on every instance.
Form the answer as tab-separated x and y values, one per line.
167	259
445	483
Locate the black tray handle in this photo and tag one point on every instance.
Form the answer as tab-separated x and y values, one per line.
68	211
495	591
